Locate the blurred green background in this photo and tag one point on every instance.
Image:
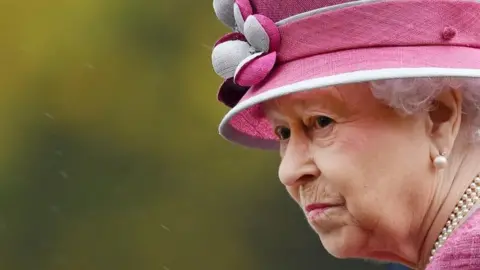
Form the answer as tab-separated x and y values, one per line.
110	157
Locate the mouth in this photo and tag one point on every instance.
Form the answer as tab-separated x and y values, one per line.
316	210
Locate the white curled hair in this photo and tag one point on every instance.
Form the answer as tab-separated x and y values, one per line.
409	96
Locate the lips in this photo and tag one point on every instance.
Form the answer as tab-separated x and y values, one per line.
317	206
315	210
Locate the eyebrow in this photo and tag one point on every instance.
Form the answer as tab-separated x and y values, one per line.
329	99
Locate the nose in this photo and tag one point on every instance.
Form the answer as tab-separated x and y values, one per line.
297	165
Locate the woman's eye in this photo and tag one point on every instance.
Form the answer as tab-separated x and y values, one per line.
283	133
323	121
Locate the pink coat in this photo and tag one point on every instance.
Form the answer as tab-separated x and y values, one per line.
461	251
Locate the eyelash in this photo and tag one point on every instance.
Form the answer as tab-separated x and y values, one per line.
322	117
313	122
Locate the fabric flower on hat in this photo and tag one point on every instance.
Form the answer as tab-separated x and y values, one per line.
245	57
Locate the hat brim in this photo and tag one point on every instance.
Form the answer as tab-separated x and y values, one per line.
246	125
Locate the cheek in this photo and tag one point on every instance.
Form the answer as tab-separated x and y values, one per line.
374	168
379	152
355	156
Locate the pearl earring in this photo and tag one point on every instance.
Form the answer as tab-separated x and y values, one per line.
440	161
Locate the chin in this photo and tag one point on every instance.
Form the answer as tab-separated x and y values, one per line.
344	243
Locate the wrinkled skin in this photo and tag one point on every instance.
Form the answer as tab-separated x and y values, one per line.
343	147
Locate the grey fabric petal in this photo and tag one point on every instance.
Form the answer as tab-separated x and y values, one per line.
256	34
239	21
224	11
228	55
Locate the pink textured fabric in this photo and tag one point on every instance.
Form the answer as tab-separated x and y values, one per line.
383	24
281	9
461	251
370	36
245	8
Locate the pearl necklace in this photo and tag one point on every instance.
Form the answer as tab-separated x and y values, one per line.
464	205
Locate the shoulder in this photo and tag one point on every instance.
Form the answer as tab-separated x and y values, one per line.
462	249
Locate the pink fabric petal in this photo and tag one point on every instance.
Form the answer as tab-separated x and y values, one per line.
255	69
246	61
231	36
245	8
272	31
231	93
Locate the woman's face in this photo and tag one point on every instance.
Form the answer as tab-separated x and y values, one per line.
361	172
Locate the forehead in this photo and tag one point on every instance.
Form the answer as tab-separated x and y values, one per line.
338	99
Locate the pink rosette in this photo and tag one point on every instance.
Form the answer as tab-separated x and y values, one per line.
246	57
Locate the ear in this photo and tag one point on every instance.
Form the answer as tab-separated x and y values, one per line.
444	119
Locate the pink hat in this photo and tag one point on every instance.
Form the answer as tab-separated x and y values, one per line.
280	47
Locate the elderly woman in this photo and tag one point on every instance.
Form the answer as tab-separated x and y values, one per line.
373	106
